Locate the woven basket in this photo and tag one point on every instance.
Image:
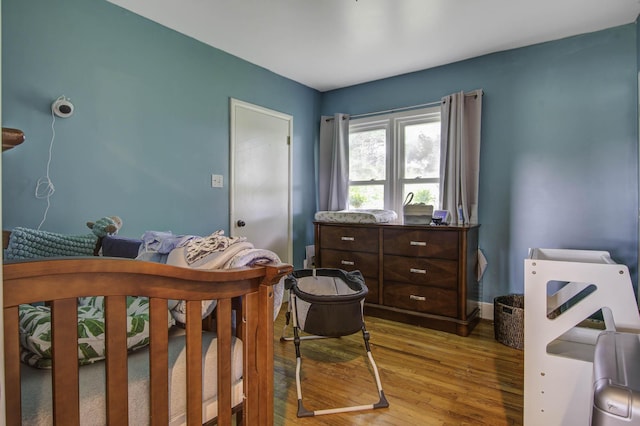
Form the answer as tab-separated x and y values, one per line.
508	317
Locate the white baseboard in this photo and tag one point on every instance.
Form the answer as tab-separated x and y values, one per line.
486	311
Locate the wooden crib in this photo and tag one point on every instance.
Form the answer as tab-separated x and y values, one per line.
61	281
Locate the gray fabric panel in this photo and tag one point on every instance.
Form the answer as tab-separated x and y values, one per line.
333	320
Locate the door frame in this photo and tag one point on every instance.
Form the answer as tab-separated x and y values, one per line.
233	105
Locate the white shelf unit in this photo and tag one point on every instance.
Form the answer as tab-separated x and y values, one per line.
563	288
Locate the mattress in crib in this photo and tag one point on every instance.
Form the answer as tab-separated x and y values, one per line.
357	216
36	386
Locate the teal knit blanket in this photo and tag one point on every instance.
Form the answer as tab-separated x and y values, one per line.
25	243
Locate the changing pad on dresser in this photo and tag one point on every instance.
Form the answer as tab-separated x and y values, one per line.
357	216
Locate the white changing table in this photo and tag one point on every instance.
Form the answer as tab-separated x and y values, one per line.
562	289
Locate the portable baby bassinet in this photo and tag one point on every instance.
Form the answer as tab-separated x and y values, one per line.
328	303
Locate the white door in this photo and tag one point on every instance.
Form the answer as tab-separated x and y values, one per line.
260	177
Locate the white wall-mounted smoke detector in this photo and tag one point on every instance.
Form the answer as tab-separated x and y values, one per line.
62	107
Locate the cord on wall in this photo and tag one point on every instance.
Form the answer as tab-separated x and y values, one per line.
62	107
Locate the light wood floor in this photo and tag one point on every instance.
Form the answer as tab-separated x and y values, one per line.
429	377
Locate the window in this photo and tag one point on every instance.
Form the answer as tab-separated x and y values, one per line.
392	155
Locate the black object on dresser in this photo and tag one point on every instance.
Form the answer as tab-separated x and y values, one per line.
422	275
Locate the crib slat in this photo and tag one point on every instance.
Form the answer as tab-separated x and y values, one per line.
264	348
194	362
158	362
116	362
250	376
64	339
258	357
12	366
223	316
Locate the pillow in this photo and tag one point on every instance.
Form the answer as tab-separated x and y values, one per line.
35	330
117	246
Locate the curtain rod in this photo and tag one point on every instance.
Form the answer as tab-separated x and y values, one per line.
366	114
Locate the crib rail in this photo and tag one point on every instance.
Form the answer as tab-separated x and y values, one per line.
62	281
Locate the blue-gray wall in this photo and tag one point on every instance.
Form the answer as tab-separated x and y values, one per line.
151	121
559	155
559	160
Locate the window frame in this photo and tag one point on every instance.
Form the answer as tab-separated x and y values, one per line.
369	125
394	124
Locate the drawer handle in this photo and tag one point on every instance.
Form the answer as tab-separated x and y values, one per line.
417	298
417	271
347	238
347	262
418	243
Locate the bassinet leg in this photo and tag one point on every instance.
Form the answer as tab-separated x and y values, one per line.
302	412
383	400
287	317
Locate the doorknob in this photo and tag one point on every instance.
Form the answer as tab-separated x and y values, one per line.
240	223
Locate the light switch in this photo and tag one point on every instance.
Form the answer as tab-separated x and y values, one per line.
216	181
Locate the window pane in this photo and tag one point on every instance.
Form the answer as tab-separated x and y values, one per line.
367	155
427	193
422	150
366	196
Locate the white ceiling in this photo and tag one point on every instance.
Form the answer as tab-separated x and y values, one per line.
329	44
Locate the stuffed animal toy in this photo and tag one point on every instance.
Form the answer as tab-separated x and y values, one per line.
109	225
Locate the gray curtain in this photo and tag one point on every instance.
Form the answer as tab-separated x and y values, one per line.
460	155
333	163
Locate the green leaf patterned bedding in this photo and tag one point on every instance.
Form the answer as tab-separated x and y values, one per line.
35	330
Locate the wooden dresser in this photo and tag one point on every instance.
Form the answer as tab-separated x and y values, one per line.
422	275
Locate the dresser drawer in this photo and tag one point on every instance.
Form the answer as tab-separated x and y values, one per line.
425	299
421	243
372	285
349	238
367	263
421	271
